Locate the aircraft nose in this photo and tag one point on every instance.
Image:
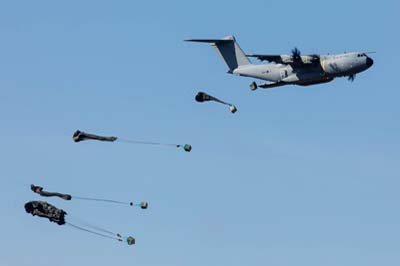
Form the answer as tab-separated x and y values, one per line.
370	62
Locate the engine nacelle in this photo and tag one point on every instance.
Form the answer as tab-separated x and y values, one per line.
304	59
286	59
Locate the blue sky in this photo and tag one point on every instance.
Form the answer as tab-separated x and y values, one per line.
298	176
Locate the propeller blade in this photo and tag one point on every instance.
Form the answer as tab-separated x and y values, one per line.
296	54
351	78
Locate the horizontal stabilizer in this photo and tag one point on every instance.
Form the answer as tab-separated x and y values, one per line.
210	40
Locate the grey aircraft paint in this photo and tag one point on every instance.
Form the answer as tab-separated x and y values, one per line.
292	69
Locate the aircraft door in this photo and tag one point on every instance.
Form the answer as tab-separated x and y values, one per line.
284	74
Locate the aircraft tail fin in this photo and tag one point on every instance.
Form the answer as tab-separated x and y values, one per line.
229	50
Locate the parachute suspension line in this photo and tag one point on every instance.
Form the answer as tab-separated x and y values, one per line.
94	227
147	142
103	200
186	147
219	101
93	232
142	205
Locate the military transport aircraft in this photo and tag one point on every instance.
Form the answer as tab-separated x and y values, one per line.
295	69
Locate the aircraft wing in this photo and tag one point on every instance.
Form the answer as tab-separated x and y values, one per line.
266	57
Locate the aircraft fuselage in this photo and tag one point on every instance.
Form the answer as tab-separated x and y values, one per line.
328	68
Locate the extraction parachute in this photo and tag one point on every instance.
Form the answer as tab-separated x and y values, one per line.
204	97
39	190
79	136
56	215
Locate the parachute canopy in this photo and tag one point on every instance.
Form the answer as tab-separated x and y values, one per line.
41	192
46	210
204	97
79	136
